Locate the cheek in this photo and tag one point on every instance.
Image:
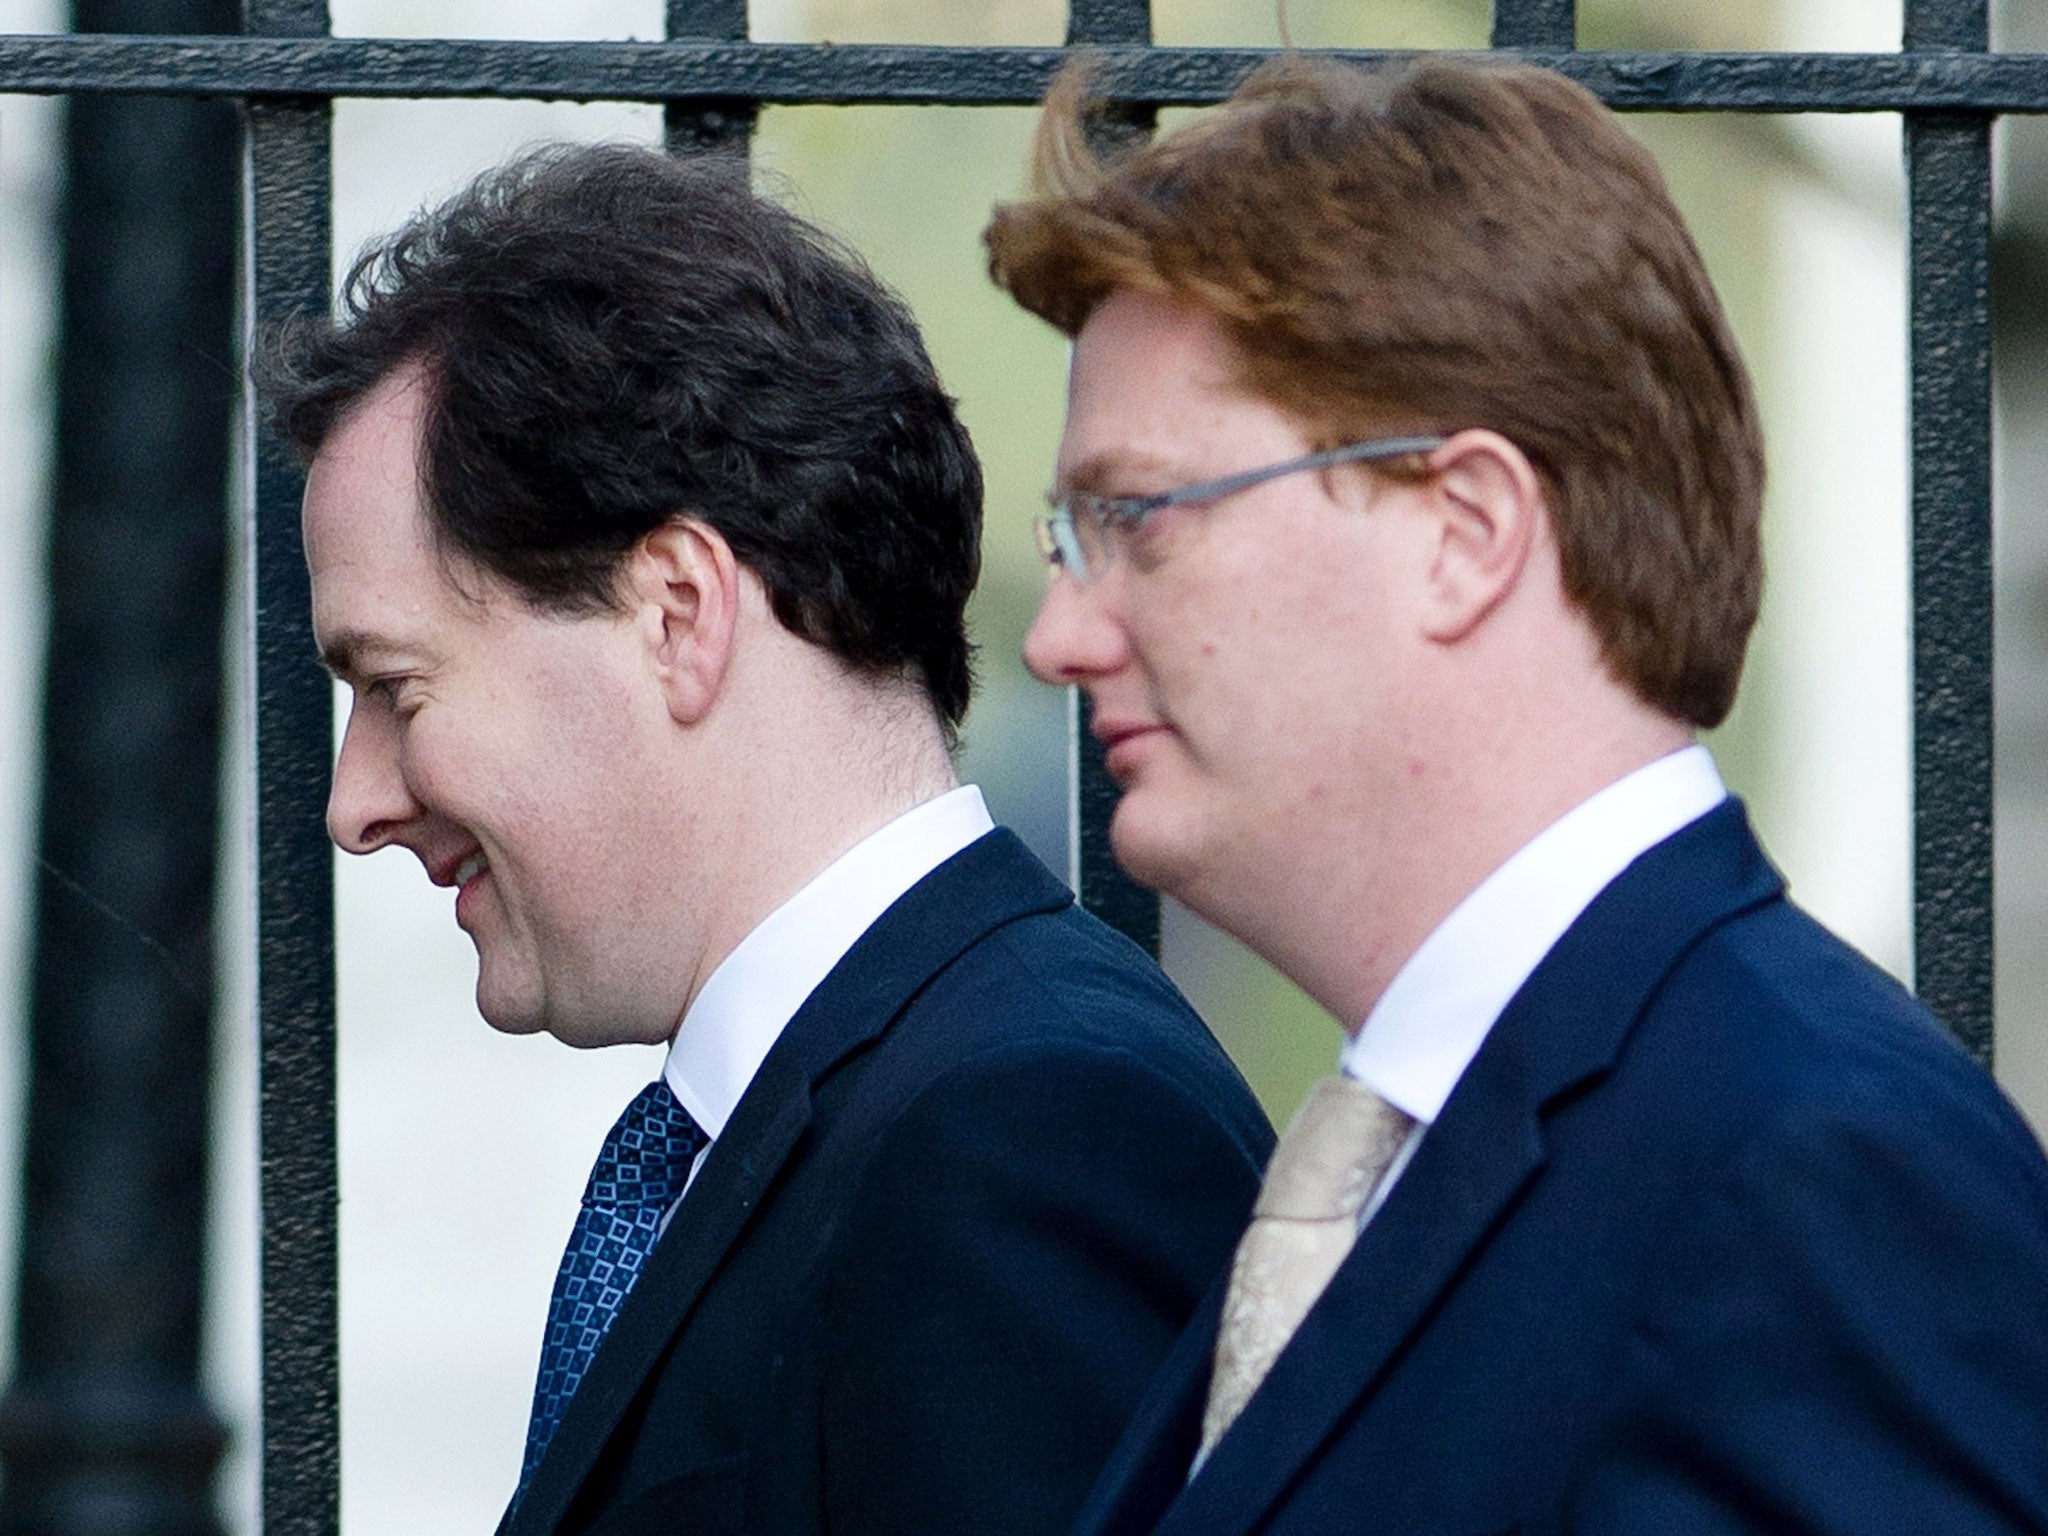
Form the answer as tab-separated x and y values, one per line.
432	754
566	707
593	754
1181	624
1216	650
1282	678
514	767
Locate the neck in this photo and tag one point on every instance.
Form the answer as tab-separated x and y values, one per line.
1435	840
791	792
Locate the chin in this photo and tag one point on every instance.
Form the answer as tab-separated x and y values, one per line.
1151	849
509	1007
508	1021
583	1030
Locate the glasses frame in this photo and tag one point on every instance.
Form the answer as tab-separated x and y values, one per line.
1059	539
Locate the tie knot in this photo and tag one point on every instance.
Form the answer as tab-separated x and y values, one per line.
646	1158
1335	1149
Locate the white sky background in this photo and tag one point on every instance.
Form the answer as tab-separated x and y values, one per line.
463	1152
1834	650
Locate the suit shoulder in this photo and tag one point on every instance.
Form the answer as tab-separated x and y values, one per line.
1049	1097
1064	986
1774	1024
1050	1032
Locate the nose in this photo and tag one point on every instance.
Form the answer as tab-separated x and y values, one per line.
369	804
1076	636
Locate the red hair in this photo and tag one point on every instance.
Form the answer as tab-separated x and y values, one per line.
1444	245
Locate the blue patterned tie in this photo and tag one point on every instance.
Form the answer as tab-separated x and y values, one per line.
639	1173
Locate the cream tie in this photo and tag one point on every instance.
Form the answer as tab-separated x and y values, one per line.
1334	1153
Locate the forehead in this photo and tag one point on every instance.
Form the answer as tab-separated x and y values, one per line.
377	577
1154	385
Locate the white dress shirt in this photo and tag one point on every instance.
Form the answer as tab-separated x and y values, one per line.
736	1019
1436	1013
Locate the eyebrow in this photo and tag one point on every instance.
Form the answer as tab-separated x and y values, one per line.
1109	465
341	656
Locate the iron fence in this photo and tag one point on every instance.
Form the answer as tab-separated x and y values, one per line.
712	80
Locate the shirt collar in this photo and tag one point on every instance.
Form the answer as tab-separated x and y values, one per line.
740	1013
1429	1024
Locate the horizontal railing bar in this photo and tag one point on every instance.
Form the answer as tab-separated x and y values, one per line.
851	74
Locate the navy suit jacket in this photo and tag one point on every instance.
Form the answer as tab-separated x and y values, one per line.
1719	1233
977	1187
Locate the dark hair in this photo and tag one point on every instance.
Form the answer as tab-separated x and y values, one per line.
1443	245
613	337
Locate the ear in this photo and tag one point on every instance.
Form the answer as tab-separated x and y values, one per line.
684	584
1489	510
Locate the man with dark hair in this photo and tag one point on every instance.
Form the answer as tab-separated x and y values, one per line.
1405	531
641	532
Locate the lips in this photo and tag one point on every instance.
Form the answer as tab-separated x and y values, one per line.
457	872
465	874
1123	744
468	878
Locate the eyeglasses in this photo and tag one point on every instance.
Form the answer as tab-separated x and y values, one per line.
1082	532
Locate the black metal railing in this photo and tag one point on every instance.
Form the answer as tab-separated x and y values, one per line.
712	82
692	71
290	223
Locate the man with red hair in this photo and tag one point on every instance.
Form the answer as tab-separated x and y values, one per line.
1405	534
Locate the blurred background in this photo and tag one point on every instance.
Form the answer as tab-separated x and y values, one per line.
463	1152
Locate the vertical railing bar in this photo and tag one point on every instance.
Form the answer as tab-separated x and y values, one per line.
1948	175
1535	24
1109	21
290	223
725	125
1951	25
1092	794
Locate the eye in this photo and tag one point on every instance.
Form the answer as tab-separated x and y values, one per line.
386	692
1145	530
1121	514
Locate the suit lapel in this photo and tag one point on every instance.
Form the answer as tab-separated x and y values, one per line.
1440	1212
1566	1025
991	882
